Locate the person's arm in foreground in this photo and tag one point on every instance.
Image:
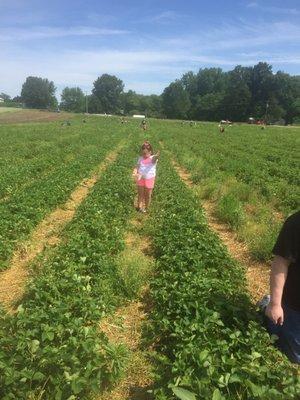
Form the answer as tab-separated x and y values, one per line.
279	270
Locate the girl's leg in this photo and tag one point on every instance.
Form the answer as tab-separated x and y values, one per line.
141	196
148	195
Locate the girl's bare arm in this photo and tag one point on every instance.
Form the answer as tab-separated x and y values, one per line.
155	157
135	170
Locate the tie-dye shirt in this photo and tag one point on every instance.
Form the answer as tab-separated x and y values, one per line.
146	167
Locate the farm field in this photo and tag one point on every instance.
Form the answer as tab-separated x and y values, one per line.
9	109
40	168
112	272
10	115
252	176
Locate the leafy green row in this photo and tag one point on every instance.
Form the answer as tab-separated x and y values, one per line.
30	150
28	206
52	346
267	161
248	173
209	338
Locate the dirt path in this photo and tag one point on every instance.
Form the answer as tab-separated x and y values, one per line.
46	234
257	272
25	116
125	325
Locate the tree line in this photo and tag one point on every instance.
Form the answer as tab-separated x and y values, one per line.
210	94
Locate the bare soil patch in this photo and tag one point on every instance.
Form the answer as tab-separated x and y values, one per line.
23	116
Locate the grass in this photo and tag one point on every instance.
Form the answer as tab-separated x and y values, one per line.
230	211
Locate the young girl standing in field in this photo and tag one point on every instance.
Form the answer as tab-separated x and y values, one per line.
144	174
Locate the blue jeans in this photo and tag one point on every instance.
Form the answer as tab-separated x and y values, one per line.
288	334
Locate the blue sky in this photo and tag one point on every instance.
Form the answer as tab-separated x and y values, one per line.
145	43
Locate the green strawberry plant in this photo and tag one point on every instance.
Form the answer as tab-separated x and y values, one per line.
53	348
41	165
209	339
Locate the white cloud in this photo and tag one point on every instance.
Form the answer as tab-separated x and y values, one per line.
253	4
165	17
83	67
239	36
44	32
273	9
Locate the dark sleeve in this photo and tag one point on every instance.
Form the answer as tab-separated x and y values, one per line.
286	245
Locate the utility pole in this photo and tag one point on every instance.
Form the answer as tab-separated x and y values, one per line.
266	114
86	103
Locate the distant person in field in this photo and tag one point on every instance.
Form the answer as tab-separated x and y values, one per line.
283	309
144	174
144	125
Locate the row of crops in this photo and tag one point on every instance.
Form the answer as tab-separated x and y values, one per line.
266	160
251	175
52	348
205	337
209	337
39	170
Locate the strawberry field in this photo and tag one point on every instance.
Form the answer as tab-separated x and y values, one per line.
249	173
202	334
39	170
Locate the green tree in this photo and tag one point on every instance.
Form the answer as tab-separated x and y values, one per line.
274	111
190	84
262	88
130	102
5	97
296	110
176	101
108	90
296	107
208	107
237	100
133	103
94	105
210	80
154	105
287	92
38	93
73	99
17	99
237	94
206	90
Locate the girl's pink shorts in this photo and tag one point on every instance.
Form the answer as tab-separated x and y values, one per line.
147	183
